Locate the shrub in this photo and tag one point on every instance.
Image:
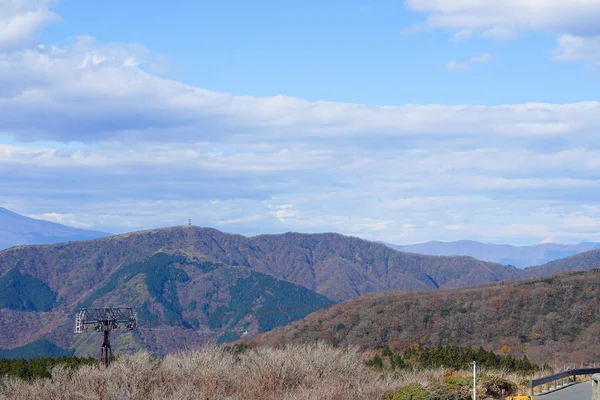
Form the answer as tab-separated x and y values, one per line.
462	385
409	392
376	362
494	386
308	372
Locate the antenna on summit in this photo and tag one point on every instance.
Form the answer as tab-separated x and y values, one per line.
189	222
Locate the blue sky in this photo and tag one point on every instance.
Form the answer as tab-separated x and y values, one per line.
352	51
401	121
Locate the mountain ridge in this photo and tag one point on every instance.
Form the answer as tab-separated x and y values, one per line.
305	259
519	256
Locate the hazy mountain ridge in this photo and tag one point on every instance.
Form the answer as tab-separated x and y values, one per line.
18	230
549	319
519	256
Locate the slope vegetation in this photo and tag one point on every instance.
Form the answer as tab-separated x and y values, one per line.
336	266
314	372
584	261
554	320
181	302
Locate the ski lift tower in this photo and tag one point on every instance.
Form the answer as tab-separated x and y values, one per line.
105	320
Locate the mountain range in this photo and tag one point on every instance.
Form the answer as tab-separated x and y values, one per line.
553	320
193	284
519	256
18	230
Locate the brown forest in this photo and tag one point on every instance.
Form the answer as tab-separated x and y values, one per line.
554	320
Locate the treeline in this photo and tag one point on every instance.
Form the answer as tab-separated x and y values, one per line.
40	367
454	357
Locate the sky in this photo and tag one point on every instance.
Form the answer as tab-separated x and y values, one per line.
399	121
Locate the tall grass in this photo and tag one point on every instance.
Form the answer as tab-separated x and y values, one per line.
300	372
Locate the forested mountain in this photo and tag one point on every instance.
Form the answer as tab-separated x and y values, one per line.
549	319
519	256
192	284
18	230
583	261
336	266
180	300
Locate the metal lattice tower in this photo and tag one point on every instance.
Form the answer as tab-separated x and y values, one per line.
105	320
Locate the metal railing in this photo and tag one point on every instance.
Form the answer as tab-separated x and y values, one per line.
559	379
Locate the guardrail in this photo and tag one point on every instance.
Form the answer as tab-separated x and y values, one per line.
596	387
570	375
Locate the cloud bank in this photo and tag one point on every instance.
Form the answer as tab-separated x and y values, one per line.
97	93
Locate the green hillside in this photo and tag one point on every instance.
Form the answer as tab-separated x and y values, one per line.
24	292
36	349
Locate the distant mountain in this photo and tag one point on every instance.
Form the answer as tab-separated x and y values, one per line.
17	230
549	320
519	256
193	284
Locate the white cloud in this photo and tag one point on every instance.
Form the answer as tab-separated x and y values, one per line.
383	193
581	222
575	48
498	18
284	212
575	22
20	20
65	219
92	93
462	66
454	66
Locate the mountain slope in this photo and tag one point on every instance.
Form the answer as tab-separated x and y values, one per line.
584	261
519	256
17	230
337	266
39	348
552	319
181	301
193	284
